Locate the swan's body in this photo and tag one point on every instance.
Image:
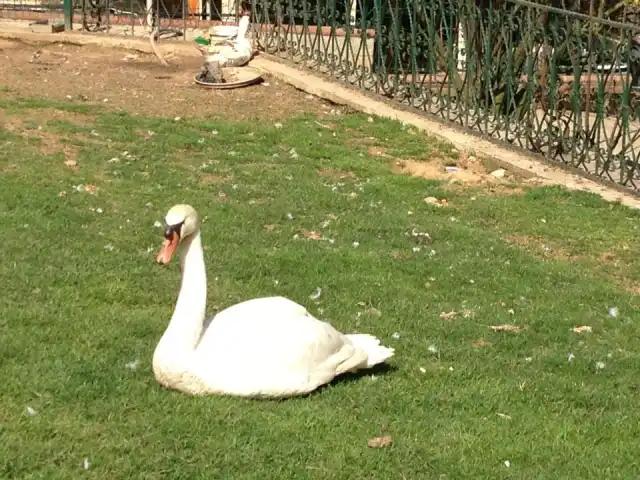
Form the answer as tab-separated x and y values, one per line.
238	52
265	347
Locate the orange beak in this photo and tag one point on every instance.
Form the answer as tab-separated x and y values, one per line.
168	249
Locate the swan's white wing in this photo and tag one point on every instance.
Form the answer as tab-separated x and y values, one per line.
268	334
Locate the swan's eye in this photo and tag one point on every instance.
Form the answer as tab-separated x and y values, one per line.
170	230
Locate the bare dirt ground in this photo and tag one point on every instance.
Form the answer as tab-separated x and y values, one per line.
139	83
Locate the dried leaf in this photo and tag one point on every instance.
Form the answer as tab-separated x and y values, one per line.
504	415
582	329
448	315
71	163
506	328
480	342
311	235
380	442
92	189
269	228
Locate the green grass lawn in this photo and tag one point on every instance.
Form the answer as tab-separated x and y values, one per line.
82	299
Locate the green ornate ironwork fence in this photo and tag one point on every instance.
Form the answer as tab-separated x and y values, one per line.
553	81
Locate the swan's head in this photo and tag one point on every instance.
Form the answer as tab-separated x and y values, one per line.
181	221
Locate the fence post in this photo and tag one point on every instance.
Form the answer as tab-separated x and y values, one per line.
68	14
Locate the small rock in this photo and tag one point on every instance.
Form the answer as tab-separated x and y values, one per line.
499	173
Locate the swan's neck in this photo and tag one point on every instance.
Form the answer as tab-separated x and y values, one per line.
185	326
243	26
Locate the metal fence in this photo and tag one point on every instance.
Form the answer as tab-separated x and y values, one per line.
553	81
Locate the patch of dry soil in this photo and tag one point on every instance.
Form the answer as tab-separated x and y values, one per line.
138	83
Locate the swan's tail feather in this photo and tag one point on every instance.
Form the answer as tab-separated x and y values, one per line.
376	353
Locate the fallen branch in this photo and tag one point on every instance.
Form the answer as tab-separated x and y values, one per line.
154	47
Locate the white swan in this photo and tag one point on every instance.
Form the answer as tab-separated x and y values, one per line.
265	347
235	53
